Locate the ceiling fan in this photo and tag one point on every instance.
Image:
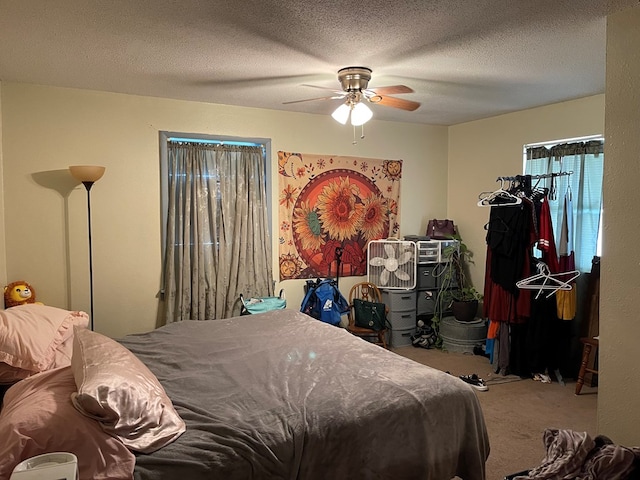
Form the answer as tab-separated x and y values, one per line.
354	82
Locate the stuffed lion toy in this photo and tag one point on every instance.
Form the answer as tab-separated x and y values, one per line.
18	293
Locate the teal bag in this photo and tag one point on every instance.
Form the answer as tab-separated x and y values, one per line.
262	304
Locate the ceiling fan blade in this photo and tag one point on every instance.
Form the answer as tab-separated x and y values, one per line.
396	103
390	90
323	88
240	82
311	100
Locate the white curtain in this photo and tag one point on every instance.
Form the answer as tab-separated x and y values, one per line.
218	244
584	186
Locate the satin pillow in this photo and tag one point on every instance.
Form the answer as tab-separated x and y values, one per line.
118	390
37	417
31	334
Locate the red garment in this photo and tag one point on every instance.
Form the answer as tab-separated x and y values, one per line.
567	263
546	241
500	305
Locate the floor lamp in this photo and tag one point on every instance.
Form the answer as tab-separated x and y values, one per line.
88	175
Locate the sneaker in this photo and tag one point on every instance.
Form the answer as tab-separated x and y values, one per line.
475	381
422	341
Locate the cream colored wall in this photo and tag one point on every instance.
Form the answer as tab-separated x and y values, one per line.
619	389
46	129
483	150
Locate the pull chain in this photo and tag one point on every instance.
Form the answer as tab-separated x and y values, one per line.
355	142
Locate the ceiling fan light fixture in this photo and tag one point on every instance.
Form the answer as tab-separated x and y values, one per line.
360	115
341	114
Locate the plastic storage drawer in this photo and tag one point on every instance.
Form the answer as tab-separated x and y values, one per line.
402	320
399	301
426	304
402	338
428	252
427	276
445	244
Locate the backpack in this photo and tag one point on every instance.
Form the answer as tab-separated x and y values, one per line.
324	301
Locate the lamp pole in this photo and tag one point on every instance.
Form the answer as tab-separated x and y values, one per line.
88	175
88	186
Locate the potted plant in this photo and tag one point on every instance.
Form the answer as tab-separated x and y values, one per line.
455	292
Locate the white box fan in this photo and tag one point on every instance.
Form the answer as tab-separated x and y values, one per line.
392	264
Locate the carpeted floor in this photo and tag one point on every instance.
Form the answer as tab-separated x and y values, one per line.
516	411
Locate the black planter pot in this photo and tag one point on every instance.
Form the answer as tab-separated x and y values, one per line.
465	311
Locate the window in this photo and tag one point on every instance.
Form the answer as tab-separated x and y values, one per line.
165	137
584	158
216	224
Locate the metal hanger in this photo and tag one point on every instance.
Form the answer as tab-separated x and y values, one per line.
500	197
545	280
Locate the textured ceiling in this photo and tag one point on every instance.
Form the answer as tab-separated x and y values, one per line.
465	59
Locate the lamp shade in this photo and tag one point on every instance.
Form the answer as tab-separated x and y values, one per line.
87	173
341	114
361	114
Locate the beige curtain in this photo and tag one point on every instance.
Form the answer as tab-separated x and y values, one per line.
218	243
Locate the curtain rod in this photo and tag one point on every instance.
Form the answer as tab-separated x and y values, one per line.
534	177
553	143
198	141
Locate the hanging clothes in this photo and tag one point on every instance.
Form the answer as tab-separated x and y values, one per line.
546	240
566	300
565	245
510	237
511	234
547	341
525	329
547	337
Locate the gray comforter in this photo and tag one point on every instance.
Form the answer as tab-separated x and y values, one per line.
283	396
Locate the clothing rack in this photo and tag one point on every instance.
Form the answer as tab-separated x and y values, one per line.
533	177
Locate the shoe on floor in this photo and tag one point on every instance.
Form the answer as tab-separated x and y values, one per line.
475	381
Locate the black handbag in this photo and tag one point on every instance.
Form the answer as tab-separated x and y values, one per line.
370	315
441	229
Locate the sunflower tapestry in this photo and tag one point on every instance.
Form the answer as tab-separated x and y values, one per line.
330	207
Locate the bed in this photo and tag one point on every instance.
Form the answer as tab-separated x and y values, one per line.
282	395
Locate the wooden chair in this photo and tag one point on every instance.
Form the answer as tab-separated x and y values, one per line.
369	292
588	344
